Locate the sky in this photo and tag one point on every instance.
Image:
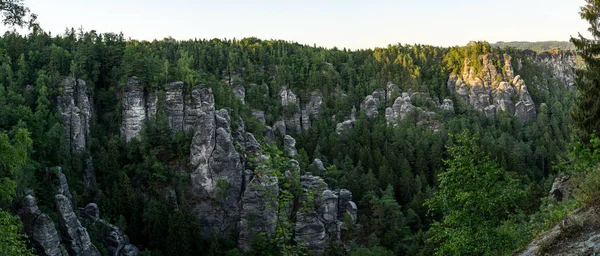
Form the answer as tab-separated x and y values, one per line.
351	24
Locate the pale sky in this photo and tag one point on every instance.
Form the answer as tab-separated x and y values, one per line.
343	23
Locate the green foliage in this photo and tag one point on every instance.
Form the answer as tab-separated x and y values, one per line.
587	110
11	241
476	199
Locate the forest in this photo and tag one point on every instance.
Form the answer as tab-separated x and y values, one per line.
435	182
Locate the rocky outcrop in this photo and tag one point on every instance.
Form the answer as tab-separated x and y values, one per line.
370	105
75	236
181	107
115	242
561	189
292	113
319	219
199	101
289	146
259	209
217	174
74	104
134	112
402	106
488	91
447	106
314	104
562	64
576	234
40	229
174	105
346	124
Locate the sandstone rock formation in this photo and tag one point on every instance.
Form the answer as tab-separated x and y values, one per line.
321	212
402	106
259	209
40	229
134	109
116	243
75	236
488	91
217	174
289	146
74	104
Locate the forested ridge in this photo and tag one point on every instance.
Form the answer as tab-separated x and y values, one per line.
448	151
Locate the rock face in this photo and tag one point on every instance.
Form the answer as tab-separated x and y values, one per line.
402	106
289	146
560	188
447	106
488	91
217	174
561	63
74	104
134	109
75	236
314	104
174	105
116	243
321	212
182	112
577	234
40	228
259	209
370	105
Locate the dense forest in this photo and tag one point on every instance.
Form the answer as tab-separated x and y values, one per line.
537	46
444	177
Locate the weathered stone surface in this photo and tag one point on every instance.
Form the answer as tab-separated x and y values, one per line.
577	234
40	229
63	185
134	109
259	209
346	205
370	106
317	167
175	105
560	188
447	106
489	92
217	174
74	104
402	106
305	120
289	146
200	101
269	134
280	127
561	63
75	236
343	126
292	114
314	105
319	218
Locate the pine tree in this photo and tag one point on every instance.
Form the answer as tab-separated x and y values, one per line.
587	110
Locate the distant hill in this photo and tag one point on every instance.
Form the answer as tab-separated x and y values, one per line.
536	46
